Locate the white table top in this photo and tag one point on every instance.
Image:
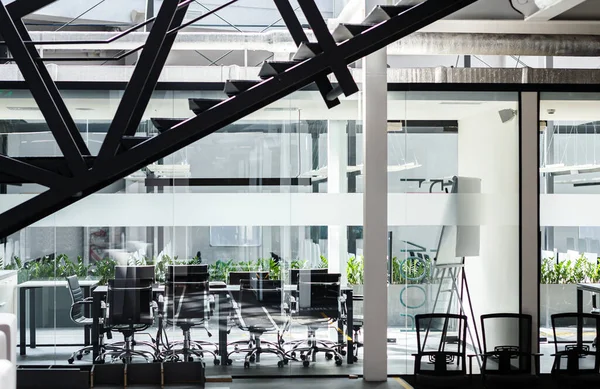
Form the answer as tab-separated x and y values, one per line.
54	283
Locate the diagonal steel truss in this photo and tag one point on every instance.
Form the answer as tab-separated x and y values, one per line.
78	174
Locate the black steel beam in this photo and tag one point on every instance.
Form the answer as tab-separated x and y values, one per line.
21	8
58	100
30	173
253	181
40	92
297	32
138	82
200	126
328	45
154	73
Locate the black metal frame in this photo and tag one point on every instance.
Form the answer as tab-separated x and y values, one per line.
112	163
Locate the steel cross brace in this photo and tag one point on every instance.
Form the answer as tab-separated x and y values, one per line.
228	112
297	32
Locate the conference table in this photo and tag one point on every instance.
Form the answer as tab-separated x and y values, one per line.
30	288
224	296
591	288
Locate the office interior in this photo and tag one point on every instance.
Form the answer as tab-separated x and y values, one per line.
246	250
283	190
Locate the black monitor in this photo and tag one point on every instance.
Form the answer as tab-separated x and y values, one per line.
294	274
236	277
320	277
187	273
143	273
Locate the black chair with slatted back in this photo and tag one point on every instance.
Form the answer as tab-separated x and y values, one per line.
576	364
77	314
440	361
507	356
319	303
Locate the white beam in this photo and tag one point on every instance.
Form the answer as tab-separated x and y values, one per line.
553	9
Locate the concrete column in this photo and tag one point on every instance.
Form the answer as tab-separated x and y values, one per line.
488	149
530	214
374	115
337	182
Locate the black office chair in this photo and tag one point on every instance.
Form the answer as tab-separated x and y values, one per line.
318	304
507	354
187	305
129	310
440	360
261	310
575	365
77	314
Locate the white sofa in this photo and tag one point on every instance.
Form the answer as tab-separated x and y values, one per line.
8	351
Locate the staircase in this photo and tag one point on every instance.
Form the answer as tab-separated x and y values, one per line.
77	174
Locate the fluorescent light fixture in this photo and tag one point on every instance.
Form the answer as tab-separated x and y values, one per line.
323	173
562	169
23	108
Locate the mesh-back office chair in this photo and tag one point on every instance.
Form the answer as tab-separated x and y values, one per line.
575	364
507	352
261	310
187	305
128	311
318	303
440	360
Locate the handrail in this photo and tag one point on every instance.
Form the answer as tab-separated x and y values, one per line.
118	36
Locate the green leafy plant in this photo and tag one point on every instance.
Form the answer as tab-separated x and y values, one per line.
104	270
324	264
355	271
298	264
219	270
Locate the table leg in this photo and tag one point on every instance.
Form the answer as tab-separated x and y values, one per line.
349	326
86	312
22	321
96	312
32	318
580	319
222	317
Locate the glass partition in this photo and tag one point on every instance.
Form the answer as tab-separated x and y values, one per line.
569	177
453	200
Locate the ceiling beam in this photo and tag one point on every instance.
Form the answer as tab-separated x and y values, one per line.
553	10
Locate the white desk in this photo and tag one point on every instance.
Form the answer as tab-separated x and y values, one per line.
30	288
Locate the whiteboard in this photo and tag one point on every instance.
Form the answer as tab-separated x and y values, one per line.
458	241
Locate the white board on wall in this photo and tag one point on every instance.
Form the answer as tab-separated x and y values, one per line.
460	240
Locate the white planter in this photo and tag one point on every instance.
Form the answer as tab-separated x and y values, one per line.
559	298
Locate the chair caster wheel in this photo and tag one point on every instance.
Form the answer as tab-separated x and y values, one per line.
280	364
216	362
190	359
329	356
293	354
246	365
305	363
338	362
285	361
302	357
229	362
343	352
79	356
252	359
355	359
71	360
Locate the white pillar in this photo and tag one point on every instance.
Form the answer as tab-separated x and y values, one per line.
530	215
337	182
489	149
375	224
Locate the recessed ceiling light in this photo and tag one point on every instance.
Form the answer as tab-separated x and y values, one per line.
23	108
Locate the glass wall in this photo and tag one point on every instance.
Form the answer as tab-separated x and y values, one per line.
569	178
280	190
453	169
